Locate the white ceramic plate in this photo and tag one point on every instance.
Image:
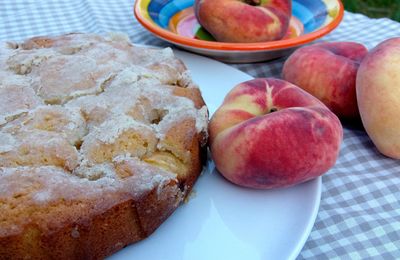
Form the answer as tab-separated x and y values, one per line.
224	221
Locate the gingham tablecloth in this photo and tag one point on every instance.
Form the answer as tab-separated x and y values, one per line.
359	215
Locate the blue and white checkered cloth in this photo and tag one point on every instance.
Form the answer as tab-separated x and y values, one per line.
359	215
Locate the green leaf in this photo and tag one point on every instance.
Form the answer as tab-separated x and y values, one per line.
202	34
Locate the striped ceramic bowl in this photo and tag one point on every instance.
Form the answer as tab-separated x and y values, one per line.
175	22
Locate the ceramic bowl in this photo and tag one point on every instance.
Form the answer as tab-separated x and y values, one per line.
175	22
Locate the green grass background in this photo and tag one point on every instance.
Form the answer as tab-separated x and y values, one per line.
375	8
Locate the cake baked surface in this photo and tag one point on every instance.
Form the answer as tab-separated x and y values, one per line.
100	141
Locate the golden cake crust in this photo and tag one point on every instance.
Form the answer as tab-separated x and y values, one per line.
101	141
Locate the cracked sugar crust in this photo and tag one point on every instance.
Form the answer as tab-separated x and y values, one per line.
65	121
83	116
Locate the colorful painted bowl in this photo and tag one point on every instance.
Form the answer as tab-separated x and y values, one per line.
175	22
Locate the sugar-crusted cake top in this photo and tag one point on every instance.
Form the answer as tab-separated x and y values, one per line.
80	114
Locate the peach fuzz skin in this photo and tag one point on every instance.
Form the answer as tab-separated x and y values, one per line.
378	96
269	133
328	71
239	21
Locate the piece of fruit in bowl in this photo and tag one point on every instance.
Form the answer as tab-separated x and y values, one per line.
244	20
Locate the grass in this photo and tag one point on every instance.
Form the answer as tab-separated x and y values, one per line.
375	8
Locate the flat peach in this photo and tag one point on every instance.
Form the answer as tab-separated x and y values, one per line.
269	133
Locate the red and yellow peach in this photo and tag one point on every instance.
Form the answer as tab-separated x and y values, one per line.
269	133
378	96
244	20
328	71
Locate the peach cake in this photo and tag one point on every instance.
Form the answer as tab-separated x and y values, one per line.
100	141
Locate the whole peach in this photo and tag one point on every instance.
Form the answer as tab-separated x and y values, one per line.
328	71
269	133
378	96
244	20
